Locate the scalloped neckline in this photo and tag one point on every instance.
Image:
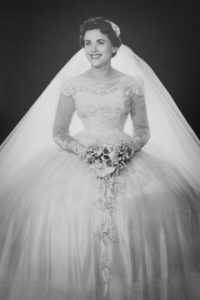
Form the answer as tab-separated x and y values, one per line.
105	81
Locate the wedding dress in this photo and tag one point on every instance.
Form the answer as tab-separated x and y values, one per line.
57	240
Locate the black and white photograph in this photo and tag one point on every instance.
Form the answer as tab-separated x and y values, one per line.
99	150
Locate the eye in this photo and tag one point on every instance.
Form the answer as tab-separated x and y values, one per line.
86	43
101	42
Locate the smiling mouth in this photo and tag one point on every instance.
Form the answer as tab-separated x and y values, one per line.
95	56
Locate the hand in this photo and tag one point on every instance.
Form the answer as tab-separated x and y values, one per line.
125	150
93	153
132	153
137	143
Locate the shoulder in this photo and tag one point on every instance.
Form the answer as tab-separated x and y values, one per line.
134	80
71	82
79	77
68	87
134	85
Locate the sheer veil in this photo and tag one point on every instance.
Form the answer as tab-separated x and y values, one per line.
172	138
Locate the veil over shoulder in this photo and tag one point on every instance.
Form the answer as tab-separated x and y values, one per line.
172	138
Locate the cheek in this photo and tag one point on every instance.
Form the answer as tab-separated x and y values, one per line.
86	50
108	50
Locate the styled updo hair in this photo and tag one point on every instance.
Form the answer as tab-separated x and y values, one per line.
104	26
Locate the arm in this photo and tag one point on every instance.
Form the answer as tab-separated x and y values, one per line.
63	117
139	119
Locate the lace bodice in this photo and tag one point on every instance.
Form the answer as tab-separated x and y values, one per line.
102	107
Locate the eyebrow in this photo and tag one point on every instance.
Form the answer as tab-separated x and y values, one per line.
97	40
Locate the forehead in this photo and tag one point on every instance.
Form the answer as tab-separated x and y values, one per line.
95	34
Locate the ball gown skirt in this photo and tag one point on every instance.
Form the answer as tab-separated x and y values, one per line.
51	224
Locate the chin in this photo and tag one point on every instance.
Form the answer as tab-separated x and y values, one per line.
95	64
98	64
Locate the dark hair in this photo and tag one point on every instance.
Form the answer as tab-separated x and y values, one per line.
104	26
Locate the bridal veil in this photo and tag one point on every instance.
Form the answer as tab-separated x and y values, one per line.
172	138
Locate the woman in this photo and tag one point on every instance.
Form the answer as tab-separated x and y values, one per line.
100	214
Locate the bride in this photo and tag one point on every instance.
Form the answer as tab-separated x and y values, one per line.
109	210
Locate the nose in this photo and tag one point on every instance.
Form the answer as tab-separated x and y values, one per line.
94	48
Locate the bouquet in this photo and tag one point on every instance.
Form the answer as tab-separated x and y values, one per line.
107	159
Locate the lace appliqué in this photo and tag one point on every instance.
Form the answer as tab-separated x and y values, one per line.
139	141
72	146
97	88
133	89
105	227
101	88
69	89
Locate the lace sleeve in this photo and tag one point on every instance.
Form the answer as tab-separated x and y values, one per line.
139	117
68	89
63	117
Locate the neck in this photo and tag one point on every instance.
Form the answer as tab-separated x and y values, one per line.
102	72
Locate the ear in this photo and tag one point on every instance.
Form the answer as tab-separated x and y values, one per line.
114	49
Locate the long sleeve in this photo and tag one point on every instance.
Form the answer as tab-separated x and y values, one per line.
63	117
139	118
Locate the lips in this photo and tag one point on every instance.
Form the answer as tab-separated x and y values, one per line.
95	56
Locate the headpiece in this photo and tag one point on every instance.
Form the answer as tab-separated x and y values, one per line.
115	27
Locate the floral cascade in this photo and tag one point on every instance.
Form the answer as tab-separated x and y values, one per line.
107	161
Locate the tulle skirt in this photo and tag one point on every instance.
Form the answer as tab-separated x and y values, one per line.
51	249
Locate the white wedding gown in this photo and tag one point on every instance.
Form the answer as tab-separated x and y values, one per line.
56	240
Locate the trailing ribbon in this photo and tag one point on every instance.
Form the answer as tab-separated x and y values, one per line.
105	227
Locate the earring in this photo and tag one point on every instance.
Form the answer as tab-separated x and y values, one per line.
114	51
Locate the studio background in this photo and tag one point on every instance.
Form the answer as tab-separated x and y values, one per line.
37	39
